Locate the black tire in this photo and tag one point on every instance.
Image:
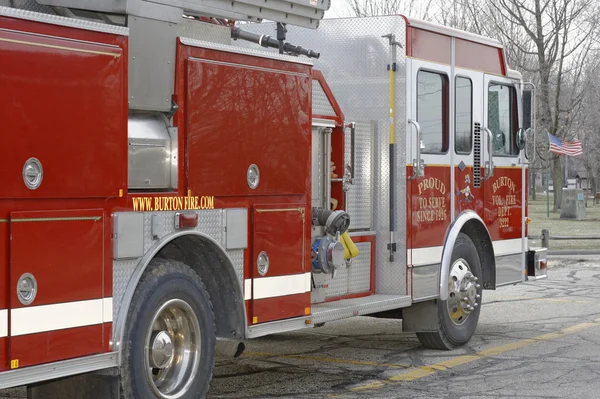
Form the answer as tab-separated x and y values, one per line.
166	280
449	335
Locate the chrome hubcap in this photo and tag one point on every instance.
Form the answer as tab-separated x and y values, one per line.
173	350
462	292
162	350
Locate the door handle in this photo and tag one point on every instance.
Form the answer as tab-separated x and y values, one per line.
418	166
489	165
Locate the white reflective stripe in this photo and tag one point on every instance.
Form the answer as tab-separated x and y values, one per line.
247	289
269	287
108	310
3	323
504	247
426	256
58	316
433	255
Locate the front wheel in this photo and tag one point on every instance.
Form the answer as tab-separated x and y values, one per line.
169	342
459	314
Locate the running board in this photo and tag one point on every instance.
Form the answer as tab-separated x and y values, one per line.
331	311
65	368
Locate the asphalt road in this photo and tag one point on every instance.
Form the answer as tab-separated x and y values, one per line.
534	340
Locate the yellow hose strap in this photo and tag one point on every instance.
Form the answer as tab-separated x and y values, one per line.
350	250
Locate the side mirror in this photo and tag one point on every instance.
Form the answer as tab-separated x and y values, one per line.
521	139
527	108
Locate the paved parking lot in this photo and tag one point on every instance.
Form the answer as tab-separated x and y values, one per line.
537	340
534	340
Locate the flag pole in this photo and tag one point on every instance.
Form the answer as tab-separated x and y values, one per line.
548	189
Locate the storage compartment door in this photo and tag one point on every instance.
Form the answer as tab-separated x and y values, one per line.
281	290
56	281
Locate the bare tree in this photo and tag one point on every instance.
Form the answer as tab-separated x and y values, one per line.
414	8
563	32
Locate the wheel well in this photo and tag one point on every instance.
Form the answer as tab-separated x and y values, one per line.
481	238
218	275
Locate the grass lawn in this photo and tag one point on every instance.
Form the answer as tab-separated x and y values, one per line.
563	227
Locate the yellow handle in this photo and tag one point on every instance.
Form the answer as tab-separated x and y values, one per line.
350	250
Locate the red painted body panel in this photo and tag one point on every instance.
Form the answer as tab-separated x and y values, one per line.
479	57
56	345
4	354
218	162
429	46
242	115
468	197
280	231
67	259
436	47
76	131
503	204
429	204
283	307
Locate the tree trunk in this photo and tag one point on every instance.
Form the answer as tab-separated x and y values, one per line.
557	181
532	181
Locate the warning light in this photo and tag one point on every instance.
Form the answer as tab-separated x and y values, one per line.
186	220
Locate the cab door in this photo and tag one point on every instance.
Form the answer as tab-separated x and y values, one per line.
503	177
429	195
467	161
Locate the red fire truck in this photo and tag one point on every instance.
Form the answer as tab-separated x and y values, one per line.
171	188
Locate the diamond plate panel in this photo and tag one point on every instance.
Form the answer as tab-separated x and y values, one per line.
28	5
242	49
359	279
237	257
46	15
353	279
204	31
360	197
321	105
354	59
122	272
157	225
209	223
343	309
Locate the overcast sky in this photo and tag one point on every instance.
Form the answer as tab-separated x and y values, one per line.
339	8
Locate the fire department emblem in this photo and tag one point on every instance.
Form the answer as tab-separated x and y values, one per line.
465	194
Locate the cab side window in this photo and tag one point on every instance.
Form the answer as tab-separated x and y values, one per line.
464	115
432	111
502	119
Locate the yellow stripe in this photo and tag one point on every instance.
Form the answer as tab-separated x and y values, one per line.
327	360
391	105
416	373
3	220
79	50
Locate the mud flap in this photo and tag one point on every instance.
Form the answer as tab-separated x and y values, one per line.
421	317
97	385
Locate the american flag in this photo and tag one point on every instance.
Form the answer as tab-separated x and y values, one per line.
570	148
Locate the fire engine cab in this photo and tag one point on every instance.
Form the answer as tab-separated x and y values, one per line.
174	183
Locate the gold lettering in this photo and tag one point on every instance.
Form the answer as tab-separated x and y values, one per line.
135	203
141	204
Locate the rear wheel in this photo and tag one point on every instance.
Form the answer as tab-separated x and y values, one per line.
459	314
169	341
